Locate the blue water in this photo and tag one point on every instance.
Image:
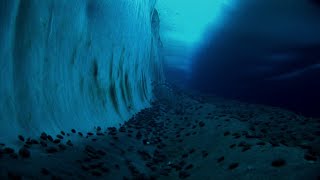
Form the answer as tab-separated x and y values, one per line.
167	89
270	56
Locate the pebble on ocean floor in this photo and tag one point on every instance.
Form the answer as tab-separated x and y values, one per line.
310	157
205	154
278	163
233	166
59	136
21	138
44	136
45	171
149	154
220	159
24	152
8	150
50	138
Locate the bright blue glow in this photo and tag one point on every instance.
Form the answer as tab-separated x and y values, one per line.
183	24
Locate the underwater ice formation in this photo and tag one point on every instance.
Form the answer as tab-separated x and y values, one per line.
264	52
183	26
75	64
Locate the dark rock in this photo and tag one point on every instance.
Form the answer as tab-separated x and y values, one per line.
153	168
201	124
24	152
8	150
96	165
28	142
115	138
13	176
27	146
101	152
190	166
192	150
183	174
227	133
138	135
261	143
73	131
245	148
145	142
242	143
105	169
63	133
122	129
90	134
45	171
69	143
59	136
44	136
144	155
233	166
164	172
43	144
62	146
90	149
51	150
21	138
57	141
50	138
182	163
100	134
274	144
55	177
310	157
85	167
278	163
33	141
184	155
220	159
14	156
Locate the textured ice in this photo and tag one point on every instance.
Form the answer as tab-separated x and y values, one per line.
74	64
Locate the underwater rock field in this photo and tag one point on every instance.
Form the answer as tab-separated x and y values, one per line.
191	138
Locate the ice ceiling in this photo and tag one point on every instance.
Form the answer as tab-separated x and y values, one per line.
183	25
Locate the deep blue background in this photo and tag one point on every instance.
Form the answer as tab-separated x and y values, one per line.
239	76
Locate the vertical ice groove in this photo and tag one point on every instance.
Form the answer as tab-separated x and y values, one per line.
47	82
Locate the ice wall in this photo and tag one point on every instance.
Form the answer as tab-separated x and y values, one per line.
265	52
75	64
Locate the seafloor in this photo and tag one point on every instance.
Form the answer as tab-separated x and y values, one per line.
181	136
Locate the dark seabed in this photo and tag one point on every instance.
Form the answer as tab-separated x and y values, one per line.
160	89
182	136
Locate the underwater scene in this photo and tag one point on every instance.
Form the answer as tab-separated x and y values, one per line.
160	89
